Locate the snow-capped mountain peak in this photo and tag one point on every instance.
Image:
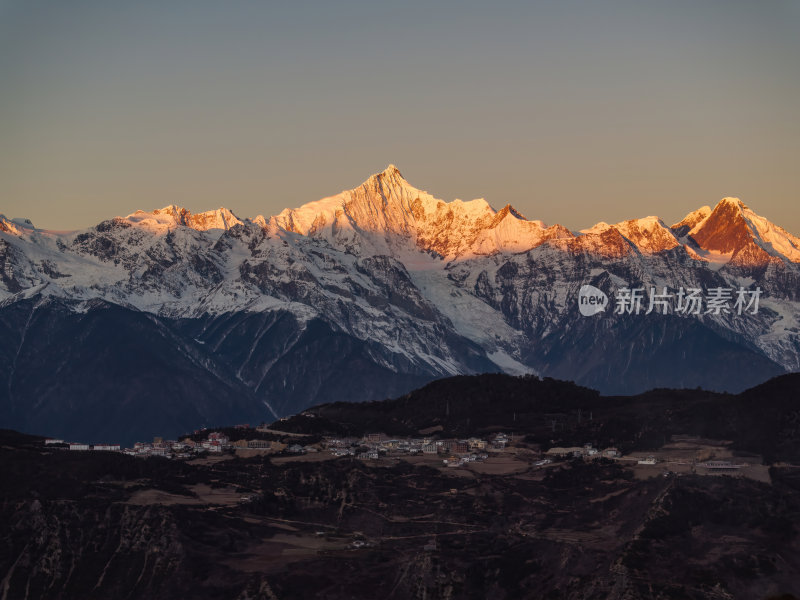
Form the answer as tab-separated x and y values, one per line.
386	215
221	218
24	223
648	234
16	226
732	201
775	240
732	229
597	228
390	287
8	226
682	227
393	174
387	206
381	203
172	216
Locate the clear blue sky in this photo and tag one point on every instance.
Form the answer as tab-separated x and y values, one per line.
574	112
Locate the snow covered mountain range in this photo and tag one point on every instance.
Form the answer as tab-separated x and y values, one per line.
167	320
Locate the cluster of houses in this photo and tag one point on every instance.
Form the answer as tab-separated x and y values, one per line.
372	446
77	446
456	452
582	451
214	443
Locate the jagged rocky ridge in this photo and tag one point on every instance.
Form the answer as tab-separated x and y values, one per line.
365	295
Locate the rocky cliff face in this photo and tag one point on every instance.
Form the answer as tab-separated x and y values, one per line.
375	290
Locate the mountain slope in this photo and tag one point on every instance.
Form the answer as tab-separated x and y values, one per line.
109	375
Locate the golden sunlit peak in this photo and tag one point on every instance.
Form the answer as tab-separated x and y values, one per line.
732	202
392	171
391	176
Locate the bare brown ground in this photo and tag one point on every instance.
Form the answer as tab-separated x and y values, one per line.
205	495
251	452
152	496
310	457
685	454
499	464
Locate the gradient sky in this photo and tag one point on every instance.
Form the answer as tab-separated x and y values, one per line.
574	112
